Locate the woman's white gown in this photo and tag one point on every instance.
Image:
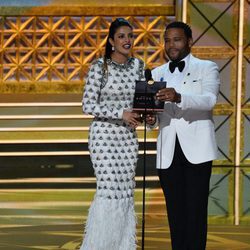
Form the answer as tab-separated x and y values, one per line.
113	146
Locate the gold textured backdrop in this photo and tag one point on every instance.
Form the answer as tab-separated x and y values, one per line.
47	46
52	54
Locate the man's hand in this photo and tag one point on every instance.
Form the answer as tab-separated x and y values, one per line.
168	94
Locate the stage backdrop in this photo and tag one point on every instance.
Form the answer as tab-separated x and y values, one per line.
46	48
222	34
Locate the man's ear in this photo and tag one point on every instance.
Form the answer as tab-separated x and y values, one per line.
190	42
111	41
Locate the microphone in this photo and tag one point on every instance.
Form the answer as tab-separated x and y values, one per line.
148	76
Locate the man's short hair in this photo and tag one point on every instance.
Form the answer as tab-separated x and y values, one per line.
180	25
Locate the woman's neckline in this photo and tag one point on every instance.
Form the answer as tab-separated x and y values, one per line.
120	64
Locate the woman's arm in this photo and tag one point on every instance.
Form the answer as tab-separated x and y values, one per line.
91	95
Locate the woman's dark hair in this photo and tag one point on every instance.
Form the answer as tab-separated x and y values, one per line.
180	25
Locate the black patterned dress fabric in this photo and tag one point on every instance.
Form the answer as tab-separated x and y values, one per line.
113	146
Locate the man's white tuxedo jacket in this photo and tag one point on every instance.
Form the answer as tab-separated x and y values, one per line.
191	120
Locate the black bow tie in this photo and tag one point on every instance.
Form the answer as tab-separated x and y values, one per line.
173	65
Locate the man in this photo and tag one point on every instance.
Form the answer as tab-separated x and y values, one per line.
186	142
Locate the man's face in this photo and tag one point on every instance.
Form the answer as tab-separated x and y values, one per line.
177	45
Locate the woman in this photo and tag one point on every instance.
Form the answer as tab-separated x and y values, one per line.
113	144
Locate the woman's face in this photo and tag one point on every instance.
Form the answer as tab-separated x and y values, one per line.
122	42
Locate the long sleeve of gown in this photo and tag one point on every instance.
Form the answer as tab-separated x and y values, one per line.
92	92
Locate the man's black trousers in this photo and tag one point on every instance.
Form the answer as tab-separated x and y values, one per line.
186	189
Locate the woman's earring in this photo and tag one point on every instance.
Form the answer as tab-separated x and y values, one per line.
113	48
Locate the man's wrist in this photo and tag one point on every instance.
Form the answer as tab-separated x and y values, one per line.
178	98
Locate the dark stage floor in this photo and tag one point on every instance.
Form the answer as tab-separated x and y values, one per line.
51	219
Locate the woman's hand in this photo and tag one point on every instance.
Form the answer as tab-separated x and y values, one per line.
131	118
